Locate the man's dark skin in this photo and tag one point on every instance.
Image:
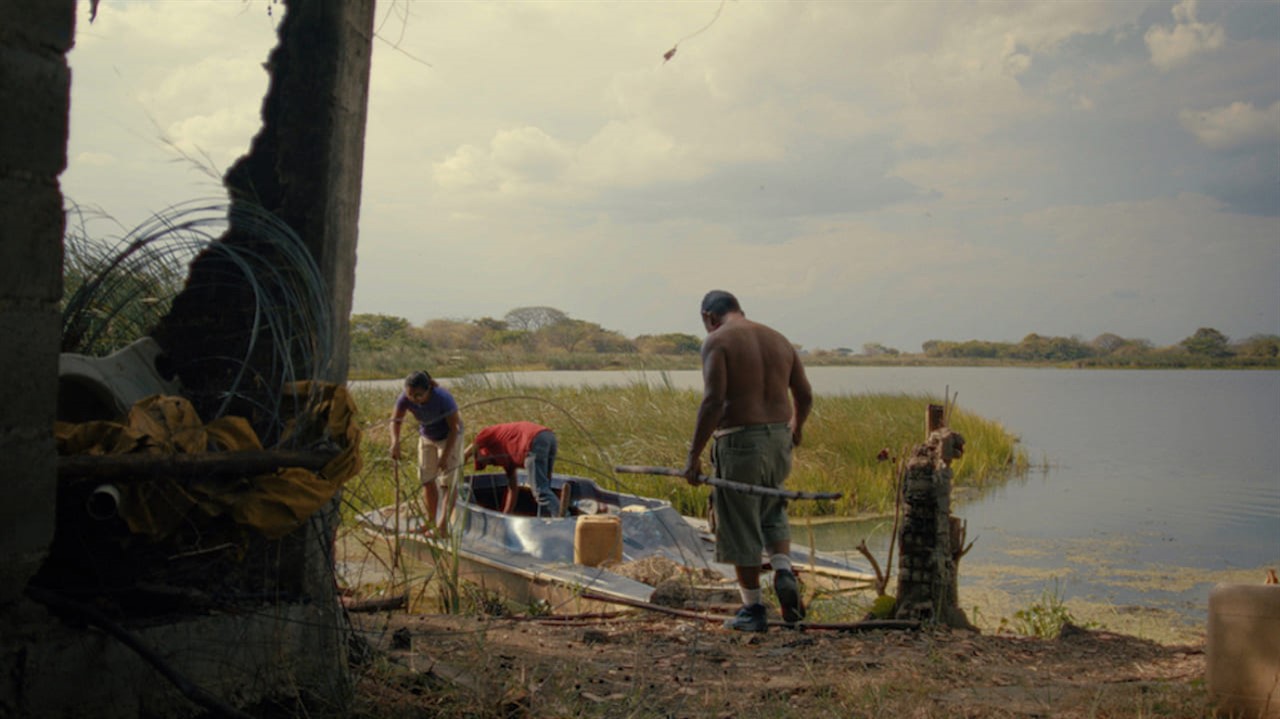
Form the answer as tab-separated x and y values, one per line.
751	375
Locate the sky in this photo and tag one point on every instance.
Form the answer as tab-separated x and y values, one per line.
855	172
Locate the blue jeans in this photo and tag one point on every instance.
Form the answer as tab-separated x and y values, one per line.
539	463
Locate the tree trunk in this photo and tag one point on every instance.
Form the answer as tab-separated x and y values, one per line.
928	579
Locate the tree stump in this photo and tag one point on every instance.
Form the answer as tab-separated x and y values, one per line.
930	538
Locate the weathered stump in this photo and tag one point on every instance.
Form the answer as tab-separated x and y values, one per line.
931	540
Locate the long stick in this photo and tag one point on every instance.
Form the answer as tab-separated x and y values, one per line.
865	625
395	554
727	484
250	462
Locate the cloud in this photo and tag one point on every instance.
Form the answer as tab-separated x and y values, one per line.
95	159
632	154
857	171
1171	47
516	162
1235	126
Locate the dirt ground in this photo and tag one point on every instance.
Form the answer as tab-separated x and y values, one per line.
636	663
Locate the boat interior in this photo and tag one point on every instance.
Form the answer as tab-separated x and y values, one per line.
578	495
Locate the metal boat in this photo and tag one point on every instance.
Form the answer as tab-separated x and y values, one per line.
665	558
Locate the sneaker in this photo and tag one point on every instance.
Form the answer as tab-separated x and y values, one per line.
787	588
750	618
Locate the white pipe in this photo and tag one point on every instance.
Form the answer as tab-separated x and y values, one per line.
103	501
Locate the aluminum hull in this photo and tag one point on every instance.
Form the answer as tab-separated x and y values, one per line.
530	559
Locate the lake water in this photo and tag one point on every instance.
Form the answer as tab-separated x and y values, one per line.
1151	486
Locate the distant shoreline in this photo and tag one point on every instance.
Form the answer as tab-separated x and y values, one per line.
461	363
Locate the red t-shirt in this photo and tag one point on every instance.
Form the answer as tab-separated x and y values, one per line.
505	445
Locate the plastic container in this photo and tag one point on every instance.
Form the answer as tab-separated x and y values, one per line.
597	540
1242	652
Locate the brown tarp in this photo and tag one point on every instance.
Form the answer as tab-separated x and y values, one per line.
275	503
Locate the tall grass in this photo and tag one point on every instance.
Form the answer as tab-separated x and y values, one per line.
601	427
391	361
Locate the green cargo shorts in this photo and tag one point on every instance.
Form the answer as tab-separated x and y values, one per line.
747	523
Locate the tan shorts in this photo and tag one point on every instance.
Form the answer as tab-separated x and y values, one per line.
747	523
433	466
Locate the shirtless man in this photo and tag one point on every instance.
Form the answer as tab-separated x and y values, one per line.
755	401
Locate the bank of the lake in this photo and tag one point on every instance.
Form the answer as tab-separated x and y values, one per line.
1146	488
394	363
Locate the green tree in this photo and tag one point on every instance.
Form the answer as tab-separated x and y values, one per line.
966	349
376	332
571	335
671	343
532	319
453	334
382	327
609	341
491	324
1107	342
875	349
1051	349
1207	342
1259	346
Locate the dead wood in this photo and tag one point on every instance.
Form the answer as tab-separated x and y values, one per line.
882	579
115	466
374	605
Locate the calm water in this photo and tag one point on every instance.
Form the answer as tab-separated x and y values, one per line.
1170	474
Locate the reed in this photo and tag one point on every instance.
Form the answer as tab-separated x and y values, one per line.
642	423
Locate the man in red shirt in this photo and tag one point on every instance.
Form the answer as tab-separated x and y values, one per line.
516	444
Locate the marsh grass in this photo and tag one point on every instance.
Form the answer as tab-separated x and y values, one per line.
650	424
1046	616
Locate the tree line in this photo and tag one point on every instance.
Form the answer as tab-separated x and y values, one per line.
523	329
1205	346
547	330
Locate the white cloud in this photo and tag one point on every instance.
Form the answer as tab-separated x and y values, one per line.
1174	46
848	167
632	154
1234	126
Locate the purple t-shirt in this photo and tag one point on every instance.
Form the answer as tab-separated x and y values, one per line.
432	415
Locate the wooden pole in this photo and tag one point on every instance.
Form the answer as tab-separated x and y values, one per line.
935	419
114	466
865	625
727	484
395	553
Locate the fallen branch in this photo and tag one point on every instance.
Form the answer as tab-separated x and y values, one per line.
959	531
567	618
882	580
369	606
867	625
250	462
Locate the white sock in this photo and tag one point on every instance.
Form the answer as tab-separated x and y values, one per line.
750	596
780	562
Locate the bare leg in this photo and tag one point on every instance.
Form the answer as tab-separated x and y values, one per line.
431	493
783	547
450	496
748	577
449	472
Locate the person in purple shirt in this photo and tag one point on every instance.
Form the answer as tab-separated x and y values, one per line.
439	444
